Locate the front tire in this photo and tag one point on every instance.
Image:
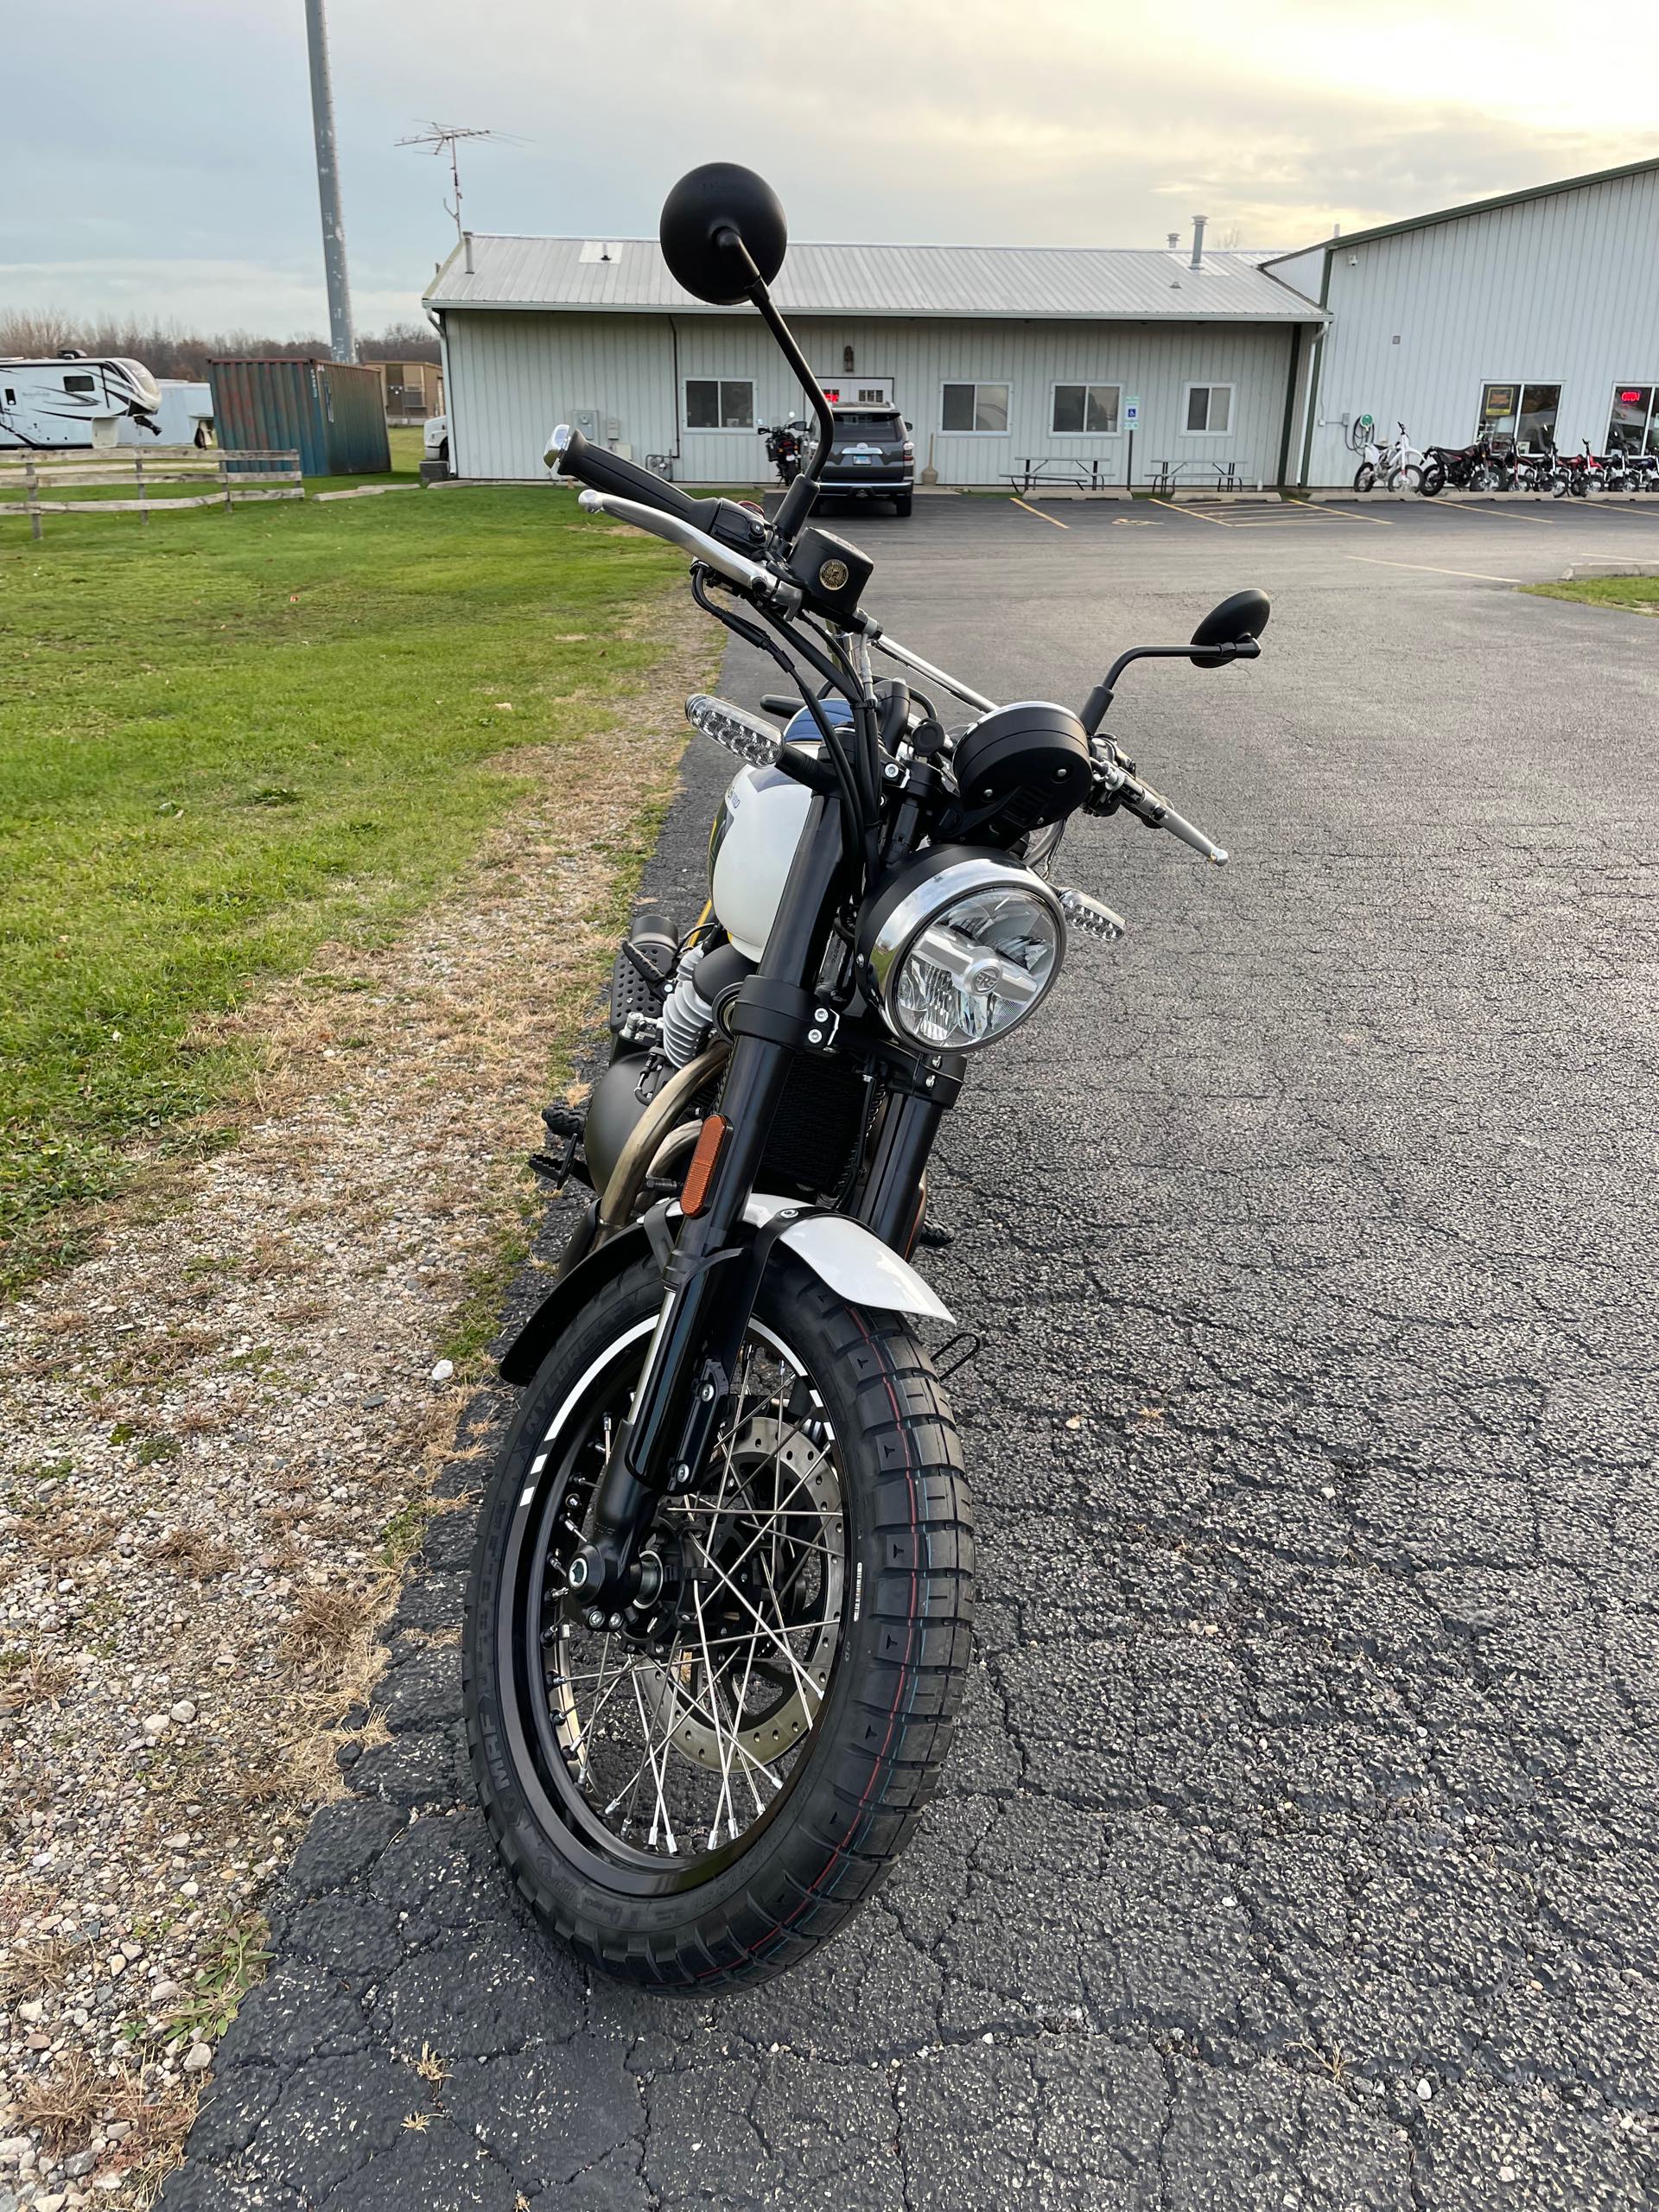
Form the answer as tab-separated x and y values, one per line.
1434	478
775	1804
1364	477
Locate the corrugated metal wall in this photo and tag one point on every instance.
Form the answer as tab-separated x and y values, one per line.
1555	290
510	376
331	414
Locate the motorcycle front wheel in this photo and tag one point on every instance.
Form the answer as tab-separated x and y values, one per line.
1364	477
703	1799
1434	478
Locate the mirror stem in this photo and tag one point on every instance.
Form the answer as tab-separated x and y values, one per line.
797	501
1096	706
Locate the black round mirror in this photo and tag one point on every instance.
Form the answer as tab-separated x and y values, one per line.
708	203
1244	615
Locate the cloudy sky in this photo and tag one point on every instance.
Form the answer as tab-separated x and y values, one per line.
161	162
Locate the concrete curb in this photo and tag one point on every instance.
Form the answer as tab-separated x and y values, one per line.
1584	569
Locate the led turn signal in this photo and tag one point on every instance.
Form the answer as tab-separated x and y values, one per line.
695	1197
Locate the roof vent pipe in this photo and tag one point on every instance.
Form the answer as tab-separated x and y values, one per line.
466	246
1174	241
1198	222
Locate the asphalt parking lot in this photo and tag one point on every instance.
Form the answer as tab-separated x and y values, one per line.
1298	1848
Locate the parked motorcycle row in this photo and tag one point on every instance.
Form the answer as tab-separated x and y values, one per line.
1486	466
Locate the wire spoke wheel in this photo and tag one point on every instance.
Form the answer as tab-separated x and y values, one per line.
679	1739
700	1789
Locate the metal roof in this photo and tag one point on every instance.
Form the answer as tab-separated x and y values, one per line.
966	282
1473	208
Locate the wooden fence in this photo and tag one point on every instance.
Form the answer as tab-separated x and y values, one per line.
232	476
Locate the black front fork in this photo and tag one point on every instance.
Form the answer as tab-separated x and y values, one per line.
714	1273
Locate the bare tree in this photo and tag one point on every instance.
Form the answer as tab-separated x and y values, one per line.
402	341
166	348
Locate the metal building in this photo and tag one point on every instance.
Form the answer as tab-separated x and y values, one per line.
1001	359
1535	313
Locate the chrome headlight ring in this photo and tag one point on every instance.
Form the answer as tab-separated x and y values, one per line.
960	948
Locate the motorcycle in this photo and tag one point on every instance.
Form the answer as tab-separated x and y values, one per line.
784	444
1576	475
719	1617
1534	471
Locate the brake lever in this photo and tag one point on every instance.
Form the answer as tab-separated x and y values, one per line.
1121	787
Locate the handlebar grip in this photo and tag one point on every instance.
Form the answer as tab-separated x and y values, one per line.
571	454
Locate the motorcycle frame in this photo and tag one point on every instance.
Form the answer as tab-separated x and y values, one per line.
712	1273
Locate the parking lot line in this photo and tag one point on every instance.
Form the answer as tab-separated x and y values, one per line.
1295	510
1423	568
1191	517
1038	512
1487	514
1348	514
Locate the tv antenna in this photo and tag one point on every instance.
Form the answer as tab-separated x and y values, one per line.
441	138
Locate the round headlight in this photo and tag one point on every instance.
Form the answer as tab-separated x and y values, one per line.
960	947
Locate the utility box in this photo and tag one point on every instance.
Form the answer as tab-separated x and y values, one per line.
328	412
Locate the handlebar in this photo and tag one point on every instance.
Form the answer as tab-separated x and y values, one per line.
569	454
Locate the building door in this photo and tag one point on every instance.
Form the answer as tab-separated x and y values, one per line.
858	391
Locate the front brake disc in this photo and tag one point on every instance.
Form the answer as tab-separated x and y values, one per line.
761	1650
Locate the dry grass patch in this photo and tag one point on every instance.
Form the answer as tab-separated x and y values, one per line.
63	2106
193	1552
33	1680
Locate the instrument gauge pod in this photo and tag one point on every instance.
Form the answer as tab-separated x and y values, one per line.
1018	769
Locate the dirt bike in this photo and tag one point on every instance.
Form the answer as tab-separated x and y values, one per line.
719	1613
1398	467
1477	467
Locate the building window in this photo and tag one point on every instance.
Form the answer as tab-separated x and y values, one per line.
974	410
1515	413
1085	410
719	404
1209	411
1631	426
79	384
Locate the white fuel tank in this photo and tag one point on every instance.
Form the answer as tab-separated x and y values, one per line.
753	841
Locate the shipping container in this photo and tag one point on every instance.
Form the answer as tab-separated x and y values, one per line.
328	412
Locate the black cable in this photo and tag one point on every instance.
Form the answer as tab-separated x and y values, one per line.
851	829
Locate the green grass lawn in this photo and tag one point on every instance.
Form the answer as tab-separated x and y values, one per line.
227	738
1636	594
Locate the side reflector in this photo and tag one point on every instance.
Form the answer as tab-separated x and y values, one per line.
695	1197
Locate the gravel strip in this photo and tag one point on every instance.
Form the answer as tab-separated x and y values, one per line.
218	1440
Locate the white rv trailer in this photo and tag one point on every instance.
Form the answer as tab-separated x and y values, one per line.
72	401
184	417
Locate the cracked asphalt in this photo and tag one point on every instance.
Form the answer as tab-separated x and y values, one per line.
1298	1851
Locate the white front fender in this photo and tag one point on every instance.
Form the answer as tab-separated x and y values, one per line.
851	1259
